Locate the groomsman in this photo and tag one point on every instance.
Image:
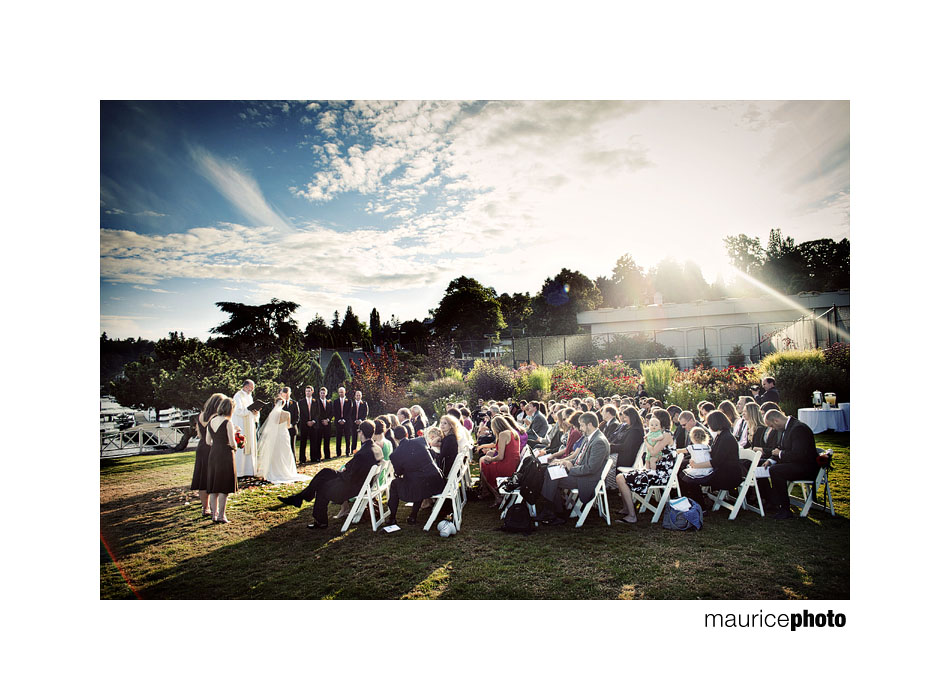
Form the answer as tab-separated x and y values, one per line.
324	417
342	418
307	422
360	411
291	407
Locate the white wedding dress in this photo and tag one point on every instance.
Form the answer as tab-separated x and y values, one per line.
275	457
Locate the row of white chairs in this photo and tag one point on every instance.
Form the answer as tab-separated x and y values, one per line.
374	494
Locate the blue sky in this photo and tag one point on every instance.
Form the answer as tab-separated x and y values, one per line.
381	204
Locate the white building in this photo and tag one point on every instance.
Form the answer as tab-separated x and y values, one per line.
720	325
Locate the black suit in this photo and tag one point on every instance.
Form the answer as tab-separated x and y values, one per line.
324	413
610	429
338	486
770	395
294	412
342	418
417	476
359	414
797	460
307	413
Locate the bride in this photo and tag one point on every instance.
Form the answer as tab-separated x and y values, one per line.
275	457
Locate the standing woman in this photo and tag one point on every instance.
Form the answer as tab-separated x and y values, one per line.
505	460
222	477
199	478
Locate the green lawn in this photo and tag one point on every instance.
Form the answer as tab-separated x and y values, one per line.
156	545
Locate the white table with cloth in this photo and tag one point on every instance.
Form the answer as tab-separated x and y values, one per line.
846	407
822	419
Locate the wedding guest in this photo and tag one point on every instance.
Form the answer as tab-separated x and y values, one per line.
404	417
417	477
738	424
611	422
724	461
419	420
570	426
770	393
796	458
199	478
756	428
537	424
453	441
628	438
337	486
661	456
505	459
324	418
467	422
705	408
583	476
222	472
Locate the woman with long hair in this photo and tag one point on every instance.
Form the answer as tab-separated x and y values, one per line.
505	460
199	477
222	475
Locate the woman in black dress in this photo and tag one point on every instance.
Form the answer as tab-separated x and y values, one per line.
199	478
222	477
724	460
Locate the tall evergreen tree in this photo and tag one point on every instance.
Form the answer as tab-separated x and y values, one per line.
337	374
375	328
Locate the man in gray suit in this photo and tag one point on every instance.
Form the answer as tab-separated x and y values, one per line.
538	428
583	475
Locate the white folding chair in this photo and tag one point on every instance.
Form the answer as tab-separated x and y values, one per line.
510	498
662	493
600	497
722	498
453	486
379	488
809	488
363	498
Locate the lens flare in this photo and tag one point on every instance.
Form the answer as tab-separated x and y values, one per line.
790	302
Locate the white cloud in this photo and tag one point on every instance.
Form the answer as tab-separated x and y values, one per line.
238	188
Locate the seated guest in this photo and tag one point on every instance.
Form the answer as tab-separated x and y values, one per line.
417	477
756	429
687	422
724	461
699	453
339	485
522	435
795	457
661	453
433	436
628	438
705	408
404	417
485	439
454	442
467	422
582	476
504	461
572	427
770	393
419	420
611	423
537	424
738	424
768	406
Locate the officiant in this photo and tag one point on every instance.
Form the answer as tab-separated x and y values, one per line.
245	461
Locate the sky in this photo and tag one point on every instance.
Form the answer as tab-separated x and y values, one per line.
381	204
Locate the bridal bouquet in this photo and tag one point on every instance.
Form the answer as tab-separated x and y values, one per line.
239	439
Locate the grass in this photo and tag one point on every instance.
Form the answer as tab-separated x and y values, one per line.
156	545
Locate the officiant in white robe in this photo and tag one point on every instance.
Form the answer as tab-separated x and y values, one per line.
245	461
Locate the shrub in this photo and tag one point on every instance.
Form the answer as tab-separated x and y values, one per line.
336	375
736	356
686	394
453	373
378	377
606	376
657	376
532	382
440	403
838	355
489	380
428	394
703	360
716	384
798	373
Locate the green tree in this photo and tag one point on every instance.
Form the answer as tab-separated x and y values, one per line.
375	328
745	253
736	357
317	334
703	359
337	374
414	335
627	283
255	332
353	332
468	310
515	311
200	374
554	309
138	385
